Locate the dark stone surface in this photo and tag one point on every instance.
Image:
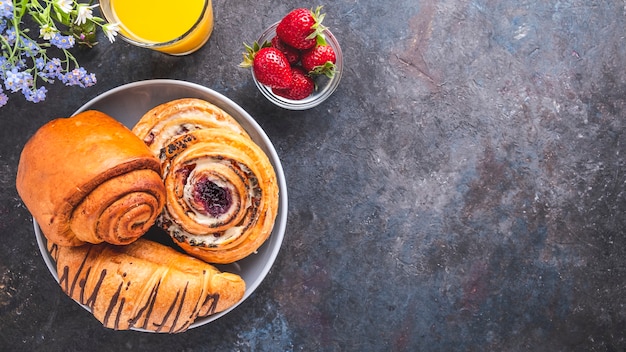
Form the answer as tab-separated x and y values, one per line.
464	189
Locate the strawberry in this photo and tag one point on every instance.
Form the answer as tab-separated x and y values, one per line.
303	85
301	28
319	60
292	54
269	65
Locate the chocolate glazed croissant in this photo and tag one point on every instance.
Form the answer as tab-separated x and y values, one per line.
144	285
89	179
222	195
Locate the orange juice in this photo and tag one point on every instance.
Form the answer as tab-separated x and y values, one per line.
175	27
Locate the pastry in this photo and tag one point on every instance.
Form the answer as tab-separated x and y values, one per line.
89	179
169	120
222	195
144	285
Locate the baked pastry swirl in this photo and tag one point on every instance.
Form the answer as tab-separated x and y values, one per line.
222	195
144	285
89	179
222	192
169	120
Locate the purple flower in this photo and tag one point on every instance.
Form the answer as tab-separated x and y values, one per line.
53	67
36	95
24	59
11	35
13	80
62	41
79	77
6	11
3	99
29	46
89	80
40	63
20	64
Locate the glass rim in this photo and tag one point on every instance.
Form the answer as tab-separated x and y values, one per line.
152	45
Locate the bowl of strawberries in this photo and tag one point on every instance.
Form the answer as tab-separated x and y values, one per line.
297	62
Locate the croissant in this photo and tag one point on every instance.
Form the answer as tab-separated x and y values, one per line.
144	285
89	179
167	121
222	193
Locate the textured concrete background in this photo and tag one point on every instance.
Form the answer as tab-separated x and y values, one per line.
463	190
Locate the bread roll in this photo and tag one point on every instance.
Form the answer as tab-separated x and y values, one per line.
89	179
144	285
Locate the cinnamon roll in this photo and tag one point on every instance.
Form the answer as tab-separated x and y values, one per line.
89	179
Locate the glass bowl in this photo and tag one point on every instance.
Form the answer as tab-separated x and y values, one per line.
325	86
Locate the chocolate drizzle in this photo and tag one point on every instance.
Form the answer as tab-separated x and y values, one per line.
214	299
82	284
154	305
64	278
91	301
159	326
112	304
148	307
180	307
119	313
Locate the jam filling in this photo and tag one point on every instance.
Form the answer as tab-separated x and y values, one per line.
214	199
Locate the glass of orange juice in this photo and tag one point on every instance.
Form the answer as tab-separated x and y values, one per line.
173	27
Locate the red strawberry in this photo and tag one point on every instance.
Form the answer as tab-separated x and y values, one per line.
292	54
270	66
301	27
303	85
319	60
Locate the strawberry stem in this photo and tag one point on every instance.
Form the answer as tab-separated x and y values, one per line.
327	69
318	27
250	53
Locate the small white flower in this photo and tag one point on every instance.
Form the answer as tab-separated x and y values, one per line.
64	5
110	30
47	32
84	13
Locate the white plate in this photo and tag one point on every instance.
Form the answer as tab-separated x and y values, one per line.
129	102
